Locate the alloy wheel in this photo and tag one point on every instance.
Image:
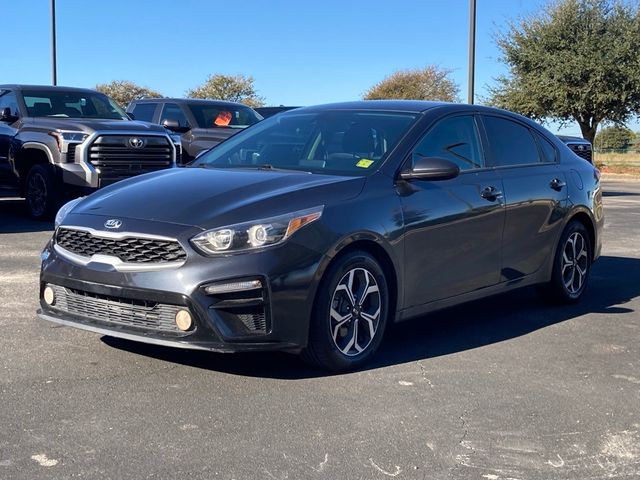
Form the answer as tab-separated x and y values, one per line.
355	311
575	263
37	194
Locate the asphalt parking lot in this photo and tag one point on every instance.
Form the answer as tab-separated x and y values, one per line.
501	389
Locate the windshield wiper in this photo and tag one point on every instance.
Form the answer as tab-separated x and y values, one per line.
268	166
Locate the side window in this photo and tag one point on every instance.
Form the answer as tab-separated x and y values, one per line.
455	139
510	142
549	154
144	111
8	100
171	111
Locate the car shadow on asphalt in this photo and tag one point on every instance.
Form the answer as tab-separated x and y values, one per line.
15	219
619	194
614	282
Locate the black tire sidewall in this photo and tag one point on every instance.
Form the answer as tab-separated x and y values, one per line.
51	199
324	352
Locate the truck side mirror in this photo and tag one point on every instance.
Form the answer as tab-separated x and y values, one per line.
7	116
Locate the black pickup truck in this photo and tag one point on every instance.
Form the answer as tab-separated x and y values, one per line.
61	142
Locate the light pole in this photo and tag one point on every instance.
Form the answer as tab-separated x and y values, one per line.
54	69
472	48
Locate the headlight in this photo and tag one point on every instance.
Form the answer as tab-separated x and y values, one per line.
256	234
63	138
65	209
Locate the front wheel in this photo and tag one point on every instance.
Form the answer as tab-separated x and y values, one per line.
41	193
572	265
349	315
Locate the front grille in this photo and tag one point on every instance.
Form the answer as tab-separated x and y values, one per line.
71	152
115	310
255	322
116	158
586	153
128	249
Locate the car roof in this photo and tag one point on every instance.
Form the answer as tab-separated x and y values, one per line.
51	88
205	101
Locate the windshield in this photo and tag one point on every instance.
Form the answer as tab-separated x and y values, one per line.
71	104
339	142
225	116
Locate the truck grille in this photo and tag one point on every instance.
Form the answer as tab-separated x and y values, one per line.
116	156
128	249
585	153
115	310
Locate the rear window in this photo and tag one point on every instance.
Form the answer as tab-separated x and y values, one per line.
510	142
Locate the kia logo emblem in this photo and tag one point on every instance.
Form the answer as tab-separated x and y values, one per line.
113	223
135	142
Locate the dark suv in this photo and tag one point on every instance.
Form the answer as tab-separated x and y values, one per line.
202	123
579	146
58	142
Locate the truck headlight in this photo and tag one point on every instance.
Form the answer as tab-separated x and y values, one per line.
255	234
65	209
63	138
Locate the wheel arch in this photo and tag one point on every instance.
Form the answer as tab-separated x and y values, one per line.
32	153
587	221
375	246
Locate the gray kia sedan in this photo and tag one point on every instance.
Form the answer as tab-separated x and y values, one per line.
313	230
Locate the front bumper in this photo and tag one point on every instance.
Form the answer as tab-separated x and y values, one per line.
274	318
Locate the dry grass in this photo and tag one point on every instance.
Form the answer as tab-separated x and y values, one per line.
628	163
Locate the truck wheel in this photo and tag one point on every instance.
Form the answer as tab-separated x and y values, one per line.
349	315
41	193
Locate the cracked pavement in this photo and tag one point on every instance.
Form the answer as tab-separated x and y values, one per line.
500	389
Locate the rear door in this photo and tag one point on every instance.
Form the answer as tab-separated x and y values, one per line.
453	228
535	193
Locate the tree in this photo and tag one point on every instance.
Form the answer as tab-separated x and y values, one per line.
615	138
577	60
429	83
233	88
123	91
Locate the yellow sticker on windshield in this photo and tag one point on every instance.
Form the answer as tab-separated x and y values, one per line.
364	163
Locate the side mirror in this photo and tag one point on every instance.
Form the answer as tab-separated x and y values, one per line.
430	168
174	126
7	116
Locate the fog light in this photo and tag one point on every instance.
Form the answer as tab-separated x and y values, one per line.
233	287
49	296
183	320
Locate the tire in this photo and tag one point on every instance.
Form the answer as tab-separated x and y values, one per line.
570	274
41	193
349	315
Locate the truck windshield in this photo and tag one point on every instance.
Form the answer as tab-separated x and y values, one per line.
71	104
212	115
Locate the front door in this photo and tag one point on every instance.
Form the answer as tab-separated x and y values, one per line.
453	228
7	132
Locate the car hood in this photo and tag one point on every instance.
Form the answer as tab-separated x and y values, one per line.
209	198
86	125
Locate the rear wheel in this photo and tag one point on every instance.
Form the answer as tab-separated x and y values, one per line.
41	193
350	313
572	265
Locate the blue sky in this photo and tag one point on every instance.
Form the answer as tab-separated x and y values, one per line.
299	52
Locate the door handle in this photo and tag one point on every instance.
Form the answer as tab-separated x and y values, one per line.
490	193
557	184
